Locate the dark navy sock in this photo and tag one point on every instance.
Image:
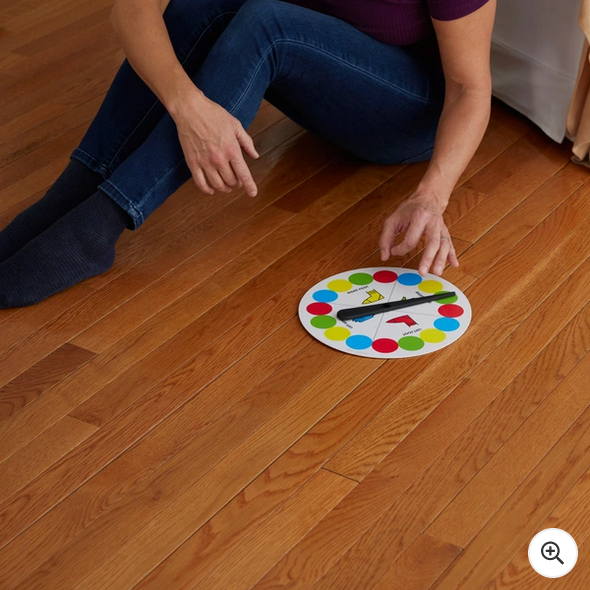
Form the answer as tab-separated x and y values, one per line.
80	244
74	185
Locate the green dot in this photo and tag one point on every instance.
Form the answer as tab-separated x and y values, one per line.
323	321
410	343
451	299
360	278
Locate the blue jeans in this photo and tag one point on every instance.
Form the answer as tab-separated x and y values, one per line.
377	101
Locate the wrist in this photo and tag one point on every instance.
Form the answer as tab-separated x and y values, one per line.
435	198
178	93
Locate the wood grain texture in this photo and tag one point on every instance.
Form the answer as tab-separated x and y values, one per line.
420	566
428	494
518	519
41	453
28	386
572	514
170	424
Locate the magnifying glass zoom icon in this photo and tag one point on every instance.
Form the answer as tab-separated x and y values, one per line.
548	553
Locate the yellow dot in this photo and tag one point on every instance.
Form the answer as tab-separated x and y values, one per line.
337	333
432	335
430	286
341	285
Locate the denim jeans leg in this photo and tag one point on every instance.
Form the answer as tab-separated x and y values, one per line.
130	110
378	101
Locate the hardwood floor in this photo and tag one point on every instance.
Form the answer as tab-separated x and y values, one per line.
170	424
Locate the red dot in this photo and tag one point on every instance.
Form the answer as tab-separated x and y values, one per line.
385	345
385	276
319	308
450	310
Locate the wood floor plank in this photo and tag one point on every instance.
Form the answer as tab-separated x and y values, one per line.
17	323
72	320
103	45
25	9
42	452
471	509
354	246
170	424
420	566
211	543
21	391
518	519
428	443
188	495
572	514
30	29
45	134
461	202
73	391
33	11
400	523
434	489
35	115
523	218
237	376
525	166
42	178
508	285
8	59
7	216
201	252
270	172
181	205
453	523
59	147
71	53
70	90
268	543
67	38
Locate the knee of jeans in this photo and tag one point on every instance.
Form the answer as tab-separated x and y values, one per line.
269	16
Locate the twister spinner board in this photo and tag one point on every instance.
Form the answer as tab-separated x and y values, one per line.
408	332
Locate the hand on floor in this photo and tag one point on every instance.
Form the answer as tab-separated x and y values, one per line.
416	217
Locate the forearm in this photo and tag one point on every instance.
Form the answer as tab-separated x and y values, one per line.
142	32
464	119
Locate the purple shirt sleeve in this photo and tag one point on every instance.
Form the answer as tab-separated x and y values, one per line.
453	9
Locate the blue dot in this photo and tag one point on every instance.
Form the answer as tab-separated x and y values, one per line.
410	279
359	342
446	324
325	296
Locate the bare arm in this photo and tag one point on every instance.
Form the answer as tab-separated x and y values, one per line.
140	27
212	140
465	51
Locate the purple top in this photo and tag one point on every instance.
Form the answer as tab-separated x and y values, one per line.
396	22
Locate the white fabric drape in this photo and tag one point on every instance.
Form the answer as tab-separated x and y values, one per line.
578	120
535	57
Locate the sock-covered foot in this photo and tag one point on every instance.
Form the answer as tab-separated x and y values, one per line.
74	185
79	245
